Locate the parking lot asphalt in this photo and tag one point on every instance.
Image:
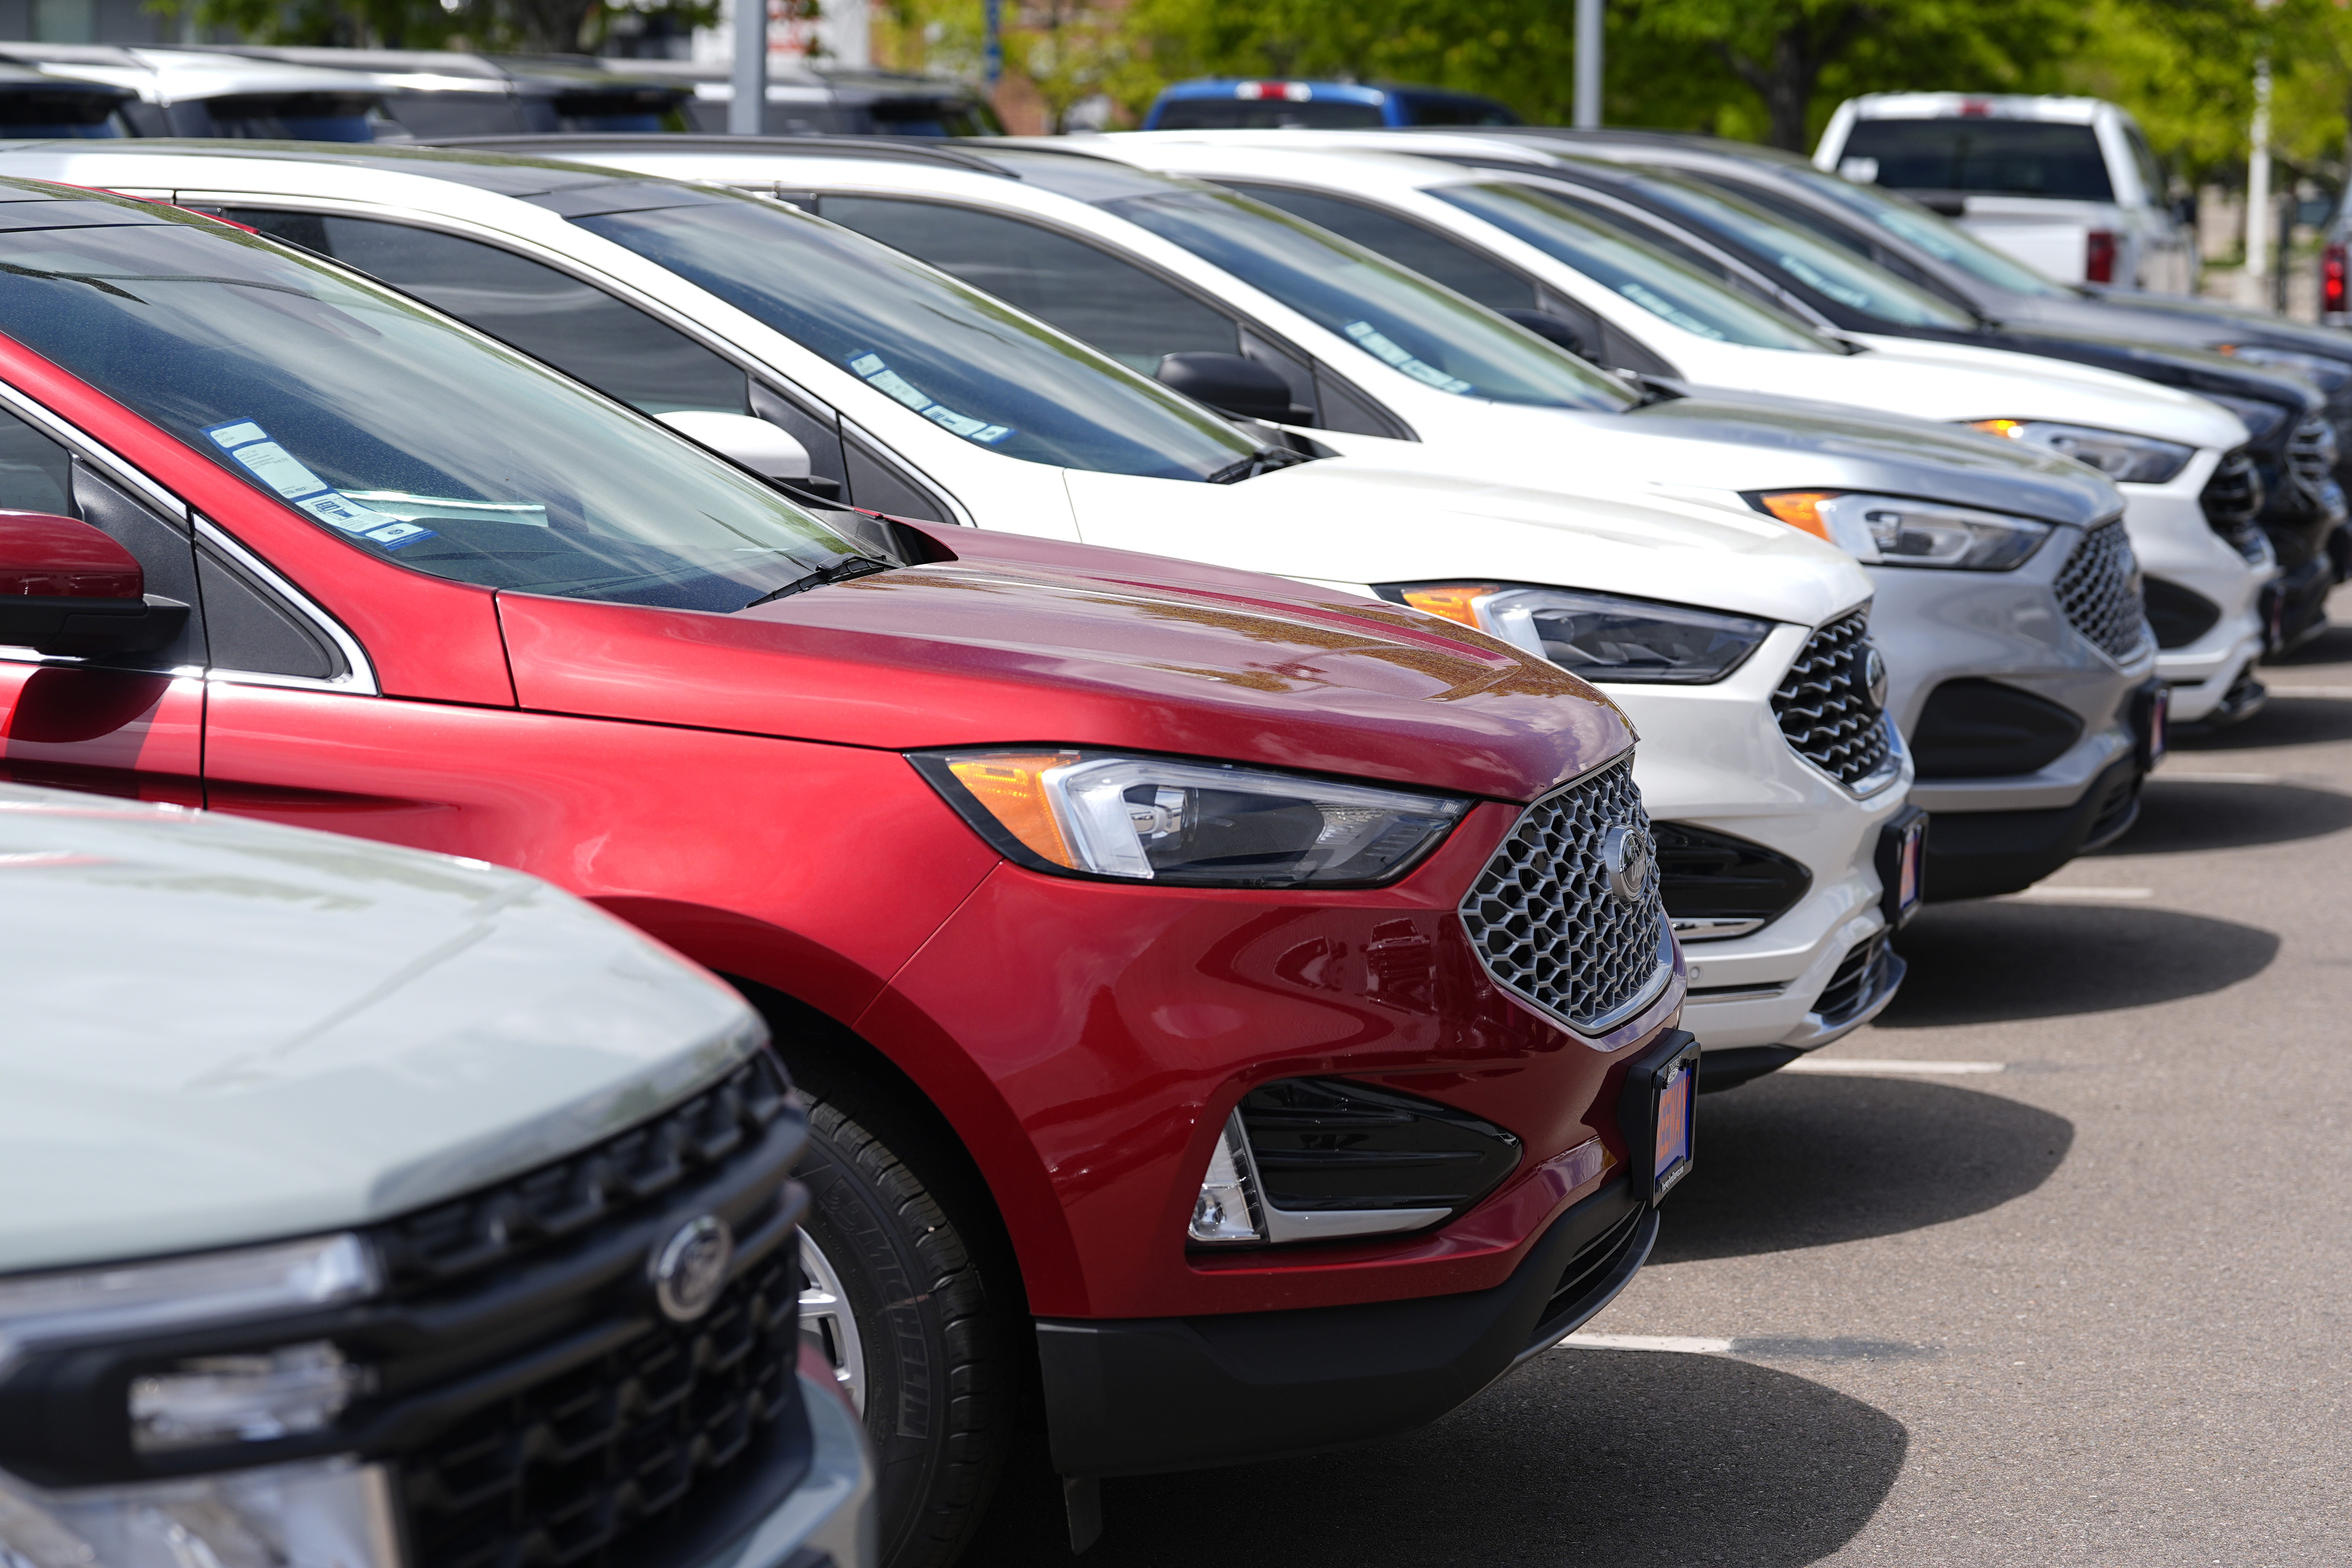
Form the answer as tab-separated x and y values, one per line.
2090	1307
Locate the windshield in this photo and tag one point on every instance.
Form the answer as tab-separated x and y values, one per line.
1937	236
399	431
1820	266
969	364
1402	319
1663	285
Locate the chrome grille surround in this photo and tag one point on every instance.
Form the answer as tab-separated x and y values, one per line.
2098	590
1548	927
1825	712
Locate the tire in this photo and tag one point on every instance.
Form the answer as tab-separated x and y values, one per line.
894	1296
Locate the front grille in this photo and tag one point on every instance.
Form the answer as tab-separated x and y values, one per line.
546	1412
2231	500
2099	592
2311	454
1825	707
1545	921
503	1224
563	1472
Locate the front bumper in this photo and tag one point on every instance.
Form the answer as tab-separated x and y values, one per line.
827	1520
1139	1396
1979	854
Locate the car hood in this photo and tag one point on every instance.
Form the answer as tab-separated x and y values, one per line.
1408	517
1964	380
2161	318
1029	640
2173	365
223	1032
1882	452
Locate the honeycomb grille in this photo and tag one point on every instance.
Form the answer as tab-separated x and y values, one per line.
1825	709
2099	592
2311	454
2232	498
564	1470
1547	926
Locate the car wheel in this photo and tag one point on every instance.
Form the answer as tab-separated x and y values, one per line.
894	1299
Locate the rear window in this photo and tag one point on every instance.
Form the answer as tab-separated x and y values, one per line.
1990	157
1264	114
1437	109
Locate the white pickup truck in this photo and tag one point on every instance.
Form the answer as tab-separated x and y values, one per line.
2067	185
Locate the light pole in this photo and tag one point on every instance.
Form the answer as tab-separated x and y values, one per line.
749	96
1587	65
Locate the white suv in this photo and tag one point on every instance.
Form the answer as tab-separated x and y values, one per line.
2068	185
282	1118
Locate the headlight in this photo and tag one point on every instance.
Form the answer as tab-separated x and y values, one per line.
316	1510
2261	419
1597	636
1197	825
1895	530
2327	374
2126	459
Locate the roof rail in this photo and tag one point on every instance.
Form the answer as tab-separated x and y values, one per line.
583	144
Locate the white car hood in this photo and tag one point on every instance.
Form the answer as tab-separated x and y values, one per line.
1358	522
1963	381
222	1032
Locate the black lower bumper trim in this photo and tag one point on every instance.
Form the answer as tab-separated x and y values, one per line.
1144	1396
1978	854
1735	1065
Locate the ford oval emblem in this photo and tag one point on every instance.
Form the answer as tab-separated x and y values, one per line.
689	1269
1873	676
1629	857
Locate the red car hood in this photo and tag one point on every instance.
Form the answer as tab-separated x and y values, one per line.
1027	641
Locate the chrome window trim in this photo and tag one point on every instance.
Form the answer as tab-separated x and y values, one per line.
359	682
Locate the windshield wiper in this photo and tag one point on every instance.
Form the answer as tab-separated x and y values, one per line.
1265	460
841	571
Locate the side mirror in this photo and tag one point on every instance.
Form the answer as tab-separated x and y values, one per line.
1552	330
1228	382
768	451
67	588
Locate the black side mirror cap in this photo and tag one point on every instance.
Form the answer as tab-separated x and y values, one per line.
91	628
1230	382
1553	330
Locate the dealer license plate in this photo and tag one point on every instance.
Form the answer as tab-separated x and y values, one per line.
1910	882
1672	1148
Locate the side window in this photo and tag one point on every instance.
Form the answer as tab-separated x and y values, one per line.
549	315
2154	189
1094	296
1405	242
36	475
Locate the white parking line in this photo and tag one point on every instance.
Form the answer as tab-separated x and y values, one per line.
1684	1344
1866	1067
2084	895
2337	692
2166	775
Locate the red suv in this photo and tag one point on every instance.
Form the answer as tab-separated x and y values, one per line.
1240	1010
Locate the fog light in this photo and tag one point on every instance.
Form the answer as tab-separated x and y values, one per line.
1225	1214
243	1398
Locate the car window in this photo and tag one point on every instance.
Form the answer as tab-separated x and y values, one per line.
1933	233
970	364
1402	241
1993	157
36	474
1442	109
1680	295
2153	186
1088	292
1423	330
397	430
549	315
1827	269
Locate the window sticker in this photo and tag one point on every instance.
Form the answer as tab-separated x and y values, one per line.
876	372
274	466
1379	346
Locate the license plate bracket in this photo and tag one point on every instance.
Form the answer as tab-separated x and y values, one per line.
1901	862
1659	1114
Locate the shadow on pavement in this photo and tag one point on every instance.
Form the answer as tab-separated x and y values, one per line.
2285	721
1995	961
1790	1161
1613	1457
2181	817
